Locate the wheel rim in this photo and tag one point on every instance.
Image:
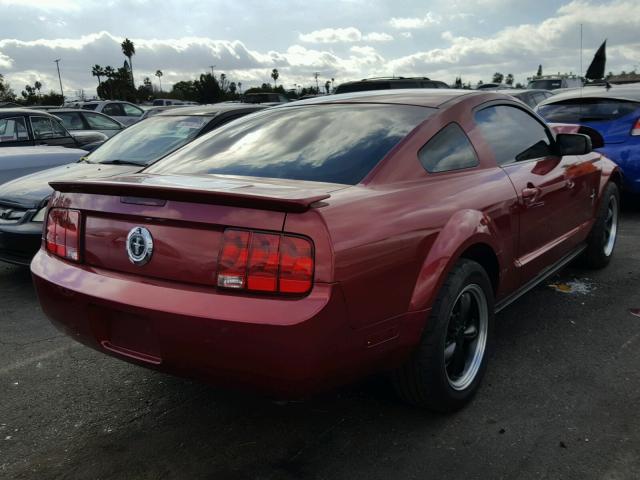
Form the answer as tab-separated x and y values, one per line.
611	226
466	339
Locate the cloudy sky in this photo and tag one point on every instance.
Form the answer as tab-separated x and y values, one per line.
345	40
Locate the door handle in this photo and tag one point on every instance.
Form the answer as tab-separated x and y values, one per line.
530	196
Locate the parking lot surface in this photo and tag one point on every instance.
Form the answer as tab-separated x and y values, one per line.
560	400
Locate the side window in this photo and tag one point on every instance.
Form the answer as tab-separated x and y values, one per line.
113	109
58	129
71	120
131	111
13	129
89	106
42	128
449	149
100	122
513	134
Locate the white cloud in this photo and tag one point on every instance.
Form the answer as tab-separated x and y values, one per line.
377	37
405	23
332	35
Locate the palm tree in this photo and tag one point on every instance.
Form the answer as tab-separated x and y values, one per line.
38	86
97	71
240	87
129	50
159	75
275	75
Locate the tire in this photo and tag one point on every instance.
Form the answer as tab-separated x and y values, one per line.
428	379
602	238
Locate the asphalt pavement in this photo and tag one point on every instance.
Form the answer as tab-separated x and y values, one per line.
560	401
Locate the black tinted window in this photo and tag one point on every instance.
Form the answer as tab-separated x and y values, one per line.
587	110
325	143
363	87
513	134
449	149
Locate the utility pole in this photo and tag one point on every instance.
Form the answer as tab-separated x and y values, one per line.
59	78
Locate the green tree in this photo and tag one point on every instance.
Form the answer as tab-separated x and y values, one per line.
327	87
6	93
97	71
37	85
275	75
159	75
498	77
539	72
129	50
458	83
208	89
509	79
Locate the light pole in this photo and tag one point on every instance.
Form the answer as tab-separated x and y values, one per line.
59	78
212	67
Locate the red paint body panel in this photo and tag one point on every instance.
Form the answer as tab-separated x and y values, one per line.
382	250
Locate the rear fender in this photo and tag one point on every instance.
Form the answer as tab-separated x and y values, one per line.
464	229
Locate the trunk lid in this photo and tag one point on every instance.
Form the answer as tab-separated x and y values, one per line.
185	215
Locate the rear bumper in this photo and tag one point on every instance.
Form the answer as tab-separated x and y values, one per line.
276	346
20	242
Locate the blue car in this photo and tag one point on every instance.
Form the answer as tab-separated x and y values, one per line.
613	113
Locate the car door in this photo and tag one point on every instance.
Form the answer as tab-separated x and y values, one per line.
552	192
14	132
49	131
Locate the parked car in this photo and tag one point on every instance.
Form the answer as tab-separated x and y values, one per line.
150	112
124	112
530	97
317	242
22	127
614	113
17	162
165	102
555	82
388	83
494	86
271	98
130	151
78	120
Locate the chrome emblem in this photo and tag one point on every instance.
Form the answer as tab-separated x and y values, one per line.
139	246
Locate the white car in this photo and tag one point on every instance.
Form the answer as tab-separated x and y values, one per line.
78	120
17	162
124	112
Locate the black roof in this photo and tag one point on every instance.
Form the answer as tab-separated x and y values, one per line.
214	109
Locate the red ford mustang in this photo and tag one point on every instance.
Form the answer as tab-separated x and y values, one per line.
311	244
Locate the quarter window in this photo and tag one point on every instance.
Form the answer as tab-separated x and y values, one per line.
13	129
100	122
513	134
42	128
113	109
449	149
131	111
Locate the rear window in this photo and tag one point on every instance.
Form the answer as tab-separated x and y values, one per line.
587	110
363	87
545	84
89	106
324	143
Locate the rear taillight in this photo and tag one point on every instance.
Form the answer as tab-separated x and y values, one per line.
62	233
635	131
265	262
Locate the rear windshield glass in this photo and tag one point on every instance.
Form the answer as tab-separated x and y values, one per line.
545	84
150	139
89	106
363	87
324	143
587	110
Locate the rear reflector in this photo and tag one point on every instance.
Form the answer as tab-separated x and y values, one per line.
265	262
635	131
62	233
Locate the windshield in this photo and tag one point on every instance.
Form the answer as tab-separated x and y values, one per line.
150	139
325	143
587	110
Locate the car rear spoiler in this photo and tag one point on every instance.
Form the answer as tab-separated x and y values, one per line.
295	201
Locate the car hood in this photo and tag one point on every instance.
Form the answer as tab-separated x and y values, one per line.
30	191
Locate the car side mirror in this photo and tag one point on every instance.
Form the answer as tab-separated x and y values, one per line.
573	144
